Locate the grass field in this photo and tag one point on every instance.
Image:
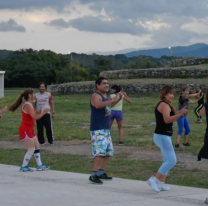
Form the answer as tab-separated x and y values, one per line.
72	123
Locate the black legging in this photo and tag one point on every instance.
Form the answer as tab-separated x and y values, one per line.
197	109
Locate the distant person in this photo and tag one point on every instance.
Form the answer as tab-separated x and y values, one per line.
200	105
203	153
26	129
165	116
44	99
116	110
183	120
102	146
2	111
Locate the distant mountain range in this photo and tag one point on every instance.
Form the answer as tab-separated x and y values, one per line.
199	50
196	50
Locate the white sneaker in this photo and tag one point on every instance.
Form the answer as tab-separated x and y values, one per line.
152	182
162	186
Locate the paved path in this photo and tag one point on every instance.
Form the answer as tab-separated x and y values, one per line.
54	188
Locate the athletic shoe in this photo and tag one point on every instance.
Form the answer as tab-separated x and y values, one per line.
163	187
95	180
42	167
199	121
153	183
104	176
177	146
120	144
186	144
25	169
206	201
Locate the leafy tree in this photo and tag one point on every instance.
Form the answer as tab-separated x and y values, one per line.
72	72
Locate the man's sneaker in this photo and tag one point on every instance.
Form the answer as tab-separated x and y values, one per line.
177	146
186	144
95	180
199	121
25	169
42	167
120	144
206	201
104	176
153	183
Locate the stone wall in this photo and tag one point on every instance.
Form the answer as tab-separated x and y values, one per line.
66	89
188	61
179	72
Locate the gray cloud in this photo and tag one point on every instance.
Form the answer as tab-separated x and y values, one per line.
125	9
31	4
173	36
58	23
96	24
150	8
11	25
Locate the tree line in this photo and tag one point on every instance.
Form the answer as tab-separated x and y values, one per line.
28	67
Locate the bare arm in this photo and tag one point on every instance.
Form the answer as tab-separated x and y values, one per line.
192	95
32	112
165	110
2	111
126	98
97	102
193	101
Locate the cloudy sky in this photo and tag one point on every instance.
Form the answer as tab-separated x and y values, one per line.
83	26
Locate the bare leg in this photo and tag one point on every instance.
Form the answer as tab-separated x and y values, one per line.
29	142
97	163
185	139
160	177
111	123
120	130
178	137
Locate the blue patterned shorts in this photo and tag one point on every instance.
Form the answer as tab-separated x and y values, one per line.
101	143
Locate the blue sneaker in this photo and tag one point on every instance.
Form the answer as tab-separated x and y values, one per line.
206	201
42	167
25	169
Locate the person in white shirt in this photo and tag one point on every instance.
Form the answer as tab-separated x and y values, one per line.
44	99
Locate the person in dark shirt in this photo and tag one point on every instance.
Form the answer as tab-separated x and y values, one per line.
183	122
200	105
165	116
203	153
102	146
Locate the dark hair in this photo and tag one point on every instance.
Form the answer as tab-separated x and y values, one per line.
117	87
99	80
198	88
184	88
164	91
17	103
43	84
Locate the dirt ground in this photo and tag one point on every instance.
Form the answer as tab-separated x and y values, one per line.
185	160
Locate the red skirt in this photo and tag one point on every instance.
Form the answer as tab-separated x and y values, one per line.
26	131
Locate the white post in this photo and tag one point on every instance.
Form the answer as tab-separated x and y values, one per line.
2	83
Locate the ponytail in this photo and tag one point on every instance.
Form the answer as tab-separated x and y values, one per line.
17	103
